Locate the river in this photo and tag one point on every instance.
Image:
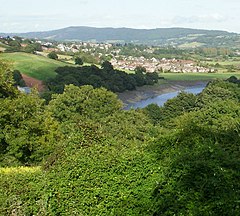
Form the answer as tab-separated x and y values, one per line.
161	99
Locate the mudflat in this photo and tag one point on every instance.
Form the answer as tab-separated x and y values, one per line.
145	92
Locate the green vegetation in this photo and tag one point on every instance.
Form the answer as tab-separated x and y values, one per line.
35	66
81	154
197	76
6	80
18	79
111	79
52	55
3	47
159	36
78	61
190	45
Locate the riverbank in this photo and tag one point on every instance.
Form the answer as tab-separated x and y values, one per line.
163	87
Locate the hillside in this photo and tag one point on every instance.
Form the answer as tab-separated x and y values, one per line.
182	37
81	154
35	66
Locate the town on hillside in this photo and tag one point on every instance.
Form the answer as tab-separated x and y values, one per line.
124	56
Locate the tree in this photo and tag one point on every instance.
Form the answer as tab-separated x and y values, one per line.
217	91
38	47
27	133
200	163
154	112
140	70
7	88
33	47
19	81
107	66
152	78
83	102
78	61
233	79
53	55
15	46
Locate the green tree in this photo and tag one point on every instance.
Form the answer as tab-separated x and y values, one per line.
27	133
17	76
15	44
83	102
33	47
107	66
217	91
7	88
152	78
154	112
140	70
78	61
53	55
200	163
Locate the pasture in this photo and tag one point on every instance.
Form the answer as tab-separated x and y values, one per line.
35	66
197	76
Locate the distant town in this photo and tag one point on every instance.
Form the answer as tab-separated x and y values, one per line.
122	56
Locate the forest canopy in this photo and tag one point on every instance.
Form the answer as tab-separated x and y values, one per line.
107	77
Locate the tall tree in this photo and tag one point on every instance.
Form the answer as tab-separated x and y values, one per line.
6	80
78	61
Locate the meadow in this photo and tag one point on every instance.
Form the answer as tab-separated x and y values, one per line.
35	66
197	76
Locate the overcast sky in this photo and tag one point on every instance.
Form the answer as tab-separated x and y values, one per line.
32	15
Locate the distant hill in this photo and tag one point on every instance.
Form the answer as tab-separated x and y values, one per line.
183	37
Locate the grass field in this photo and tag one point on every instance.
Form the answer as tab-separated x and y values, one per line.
235	62
190	45
35	66
197	76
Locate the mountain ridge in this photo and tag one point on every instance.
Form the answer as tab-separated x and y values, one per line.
159	36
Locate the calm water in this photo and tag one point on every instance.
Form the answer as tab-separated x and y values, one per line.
161	99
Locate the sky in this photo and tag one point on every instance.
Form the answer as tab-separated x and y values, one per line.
32	15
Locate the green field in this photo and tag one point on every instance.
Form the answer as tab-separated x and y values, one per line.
197	76
190	45
35	66
234	62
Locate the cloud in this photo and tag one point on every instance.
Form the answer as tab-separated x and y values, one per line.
198	19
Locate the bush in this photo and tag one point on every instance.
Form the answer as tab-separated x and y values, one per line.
21	191
200	163
53	55
78	61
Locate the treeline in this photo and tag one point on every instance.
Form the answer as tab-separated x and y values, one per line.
83	155
214	52
18	44
107	77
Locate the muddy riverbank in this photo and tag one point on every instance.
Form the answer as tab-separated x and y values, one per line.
145	92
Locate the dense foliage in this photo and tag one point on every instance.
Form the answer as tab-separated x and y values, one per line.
87	156
6	80
107	77
18	79
14	45
52	55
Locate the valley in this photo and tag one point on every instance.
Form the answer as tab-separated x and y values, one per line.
103	121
